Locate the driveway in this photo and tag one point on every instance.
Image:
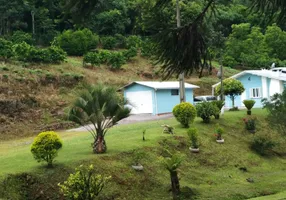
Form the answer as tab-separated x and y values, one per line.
132	119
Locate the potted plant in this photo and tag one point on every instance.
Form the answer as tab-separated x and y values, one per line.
138	155
193	135
218	133
249	105
250	124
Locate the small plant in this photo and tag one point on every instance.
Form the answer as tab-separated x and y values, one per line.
262	144
168	129
250	124
219	132
249	105
83	184
143	133
45	147
185	113
219	104
138	156
193	135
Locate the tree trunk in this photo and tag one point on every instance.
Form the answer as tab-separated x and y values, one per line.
232	99
99	145
175	185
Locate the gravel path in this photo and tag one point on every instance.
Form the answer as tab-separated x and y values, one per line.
132	119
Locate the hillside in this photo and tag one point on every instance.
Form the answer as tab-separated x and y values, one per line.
33	97
219	171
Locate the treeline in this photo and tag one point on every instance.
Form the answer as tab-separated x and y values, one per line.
90	24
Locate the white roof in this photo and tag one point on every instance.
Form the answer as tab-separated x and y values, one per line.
279	75
163	85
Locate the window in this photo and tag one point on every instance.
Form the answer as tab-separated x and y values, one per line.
255	92
174	92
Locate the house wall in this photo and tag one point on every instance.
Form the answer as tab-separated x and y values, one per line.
166	102
138	88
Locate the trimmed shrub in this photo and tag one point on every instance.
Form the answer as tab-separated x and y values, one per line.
77	43
262	144
6	50
130	53
83	184
205	110
45	147
20	36
219	131
193	135
108	42
116	60
249	105
185	113
219	104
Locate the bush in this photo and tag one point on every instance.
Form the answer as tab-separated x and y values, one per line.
20	36
250	124
249	105
219	104
83	184
133	41
116	60
205	110
45	147
130	53
218	132
108	42
93	58
77	43
120	41
262	144
6	50
147	48
193	135
185	113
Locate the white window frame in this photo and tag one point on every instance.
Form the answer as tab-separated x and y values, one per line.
255	96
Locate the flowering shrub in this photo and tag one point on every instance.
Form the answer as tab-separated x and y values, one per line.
250	123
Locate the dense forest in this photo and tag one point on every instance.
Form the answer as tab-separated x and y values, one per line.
233	32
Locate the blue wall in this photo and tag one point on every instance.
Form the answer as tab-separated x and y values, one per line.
166	102
248	81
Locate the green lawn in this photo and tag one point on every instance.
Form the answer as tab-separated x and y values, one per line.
212	174
279	196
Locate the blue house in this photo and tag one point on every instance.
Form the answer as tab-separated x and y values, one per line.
258	84
155	97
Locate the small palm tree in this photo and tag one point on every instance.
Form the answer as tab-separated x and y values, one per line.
98	108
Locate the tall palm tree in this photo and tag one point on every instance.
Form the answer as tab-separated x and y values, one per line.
101	107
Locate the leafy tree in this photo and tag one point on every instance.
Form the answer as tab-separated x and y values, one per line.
84	184
231	88
101	107
276	108
45	147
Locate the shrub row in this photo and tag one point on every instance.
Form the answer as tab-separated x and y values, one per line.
114	59
27	53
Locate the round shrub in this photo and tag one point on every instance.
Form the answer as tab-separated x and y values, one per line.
205	110
77	43
116	60
93	58
133	41
185	113
20	36
45	147
130	53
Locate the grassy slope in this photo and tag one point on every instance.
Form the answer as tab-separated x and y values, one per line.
212	174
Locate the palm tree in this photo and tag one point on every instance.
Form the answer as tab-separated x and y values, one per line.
101	107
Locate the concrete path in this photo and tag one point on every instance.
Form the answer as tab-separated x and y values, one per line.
132	119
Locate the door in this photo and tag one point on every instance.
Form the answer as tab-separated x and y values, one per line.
141	102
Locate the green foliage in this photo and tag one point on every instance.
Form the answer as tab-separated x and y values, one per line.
130	53
77	43
20	36
45	147
93	58
250	123
276	108
185	113
84	184
231	88
133	41
219	104
193	135
249	105
116	60
172	162
6	50
219	131
27	53
108	42
120	41
147	48
205	110
262	144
